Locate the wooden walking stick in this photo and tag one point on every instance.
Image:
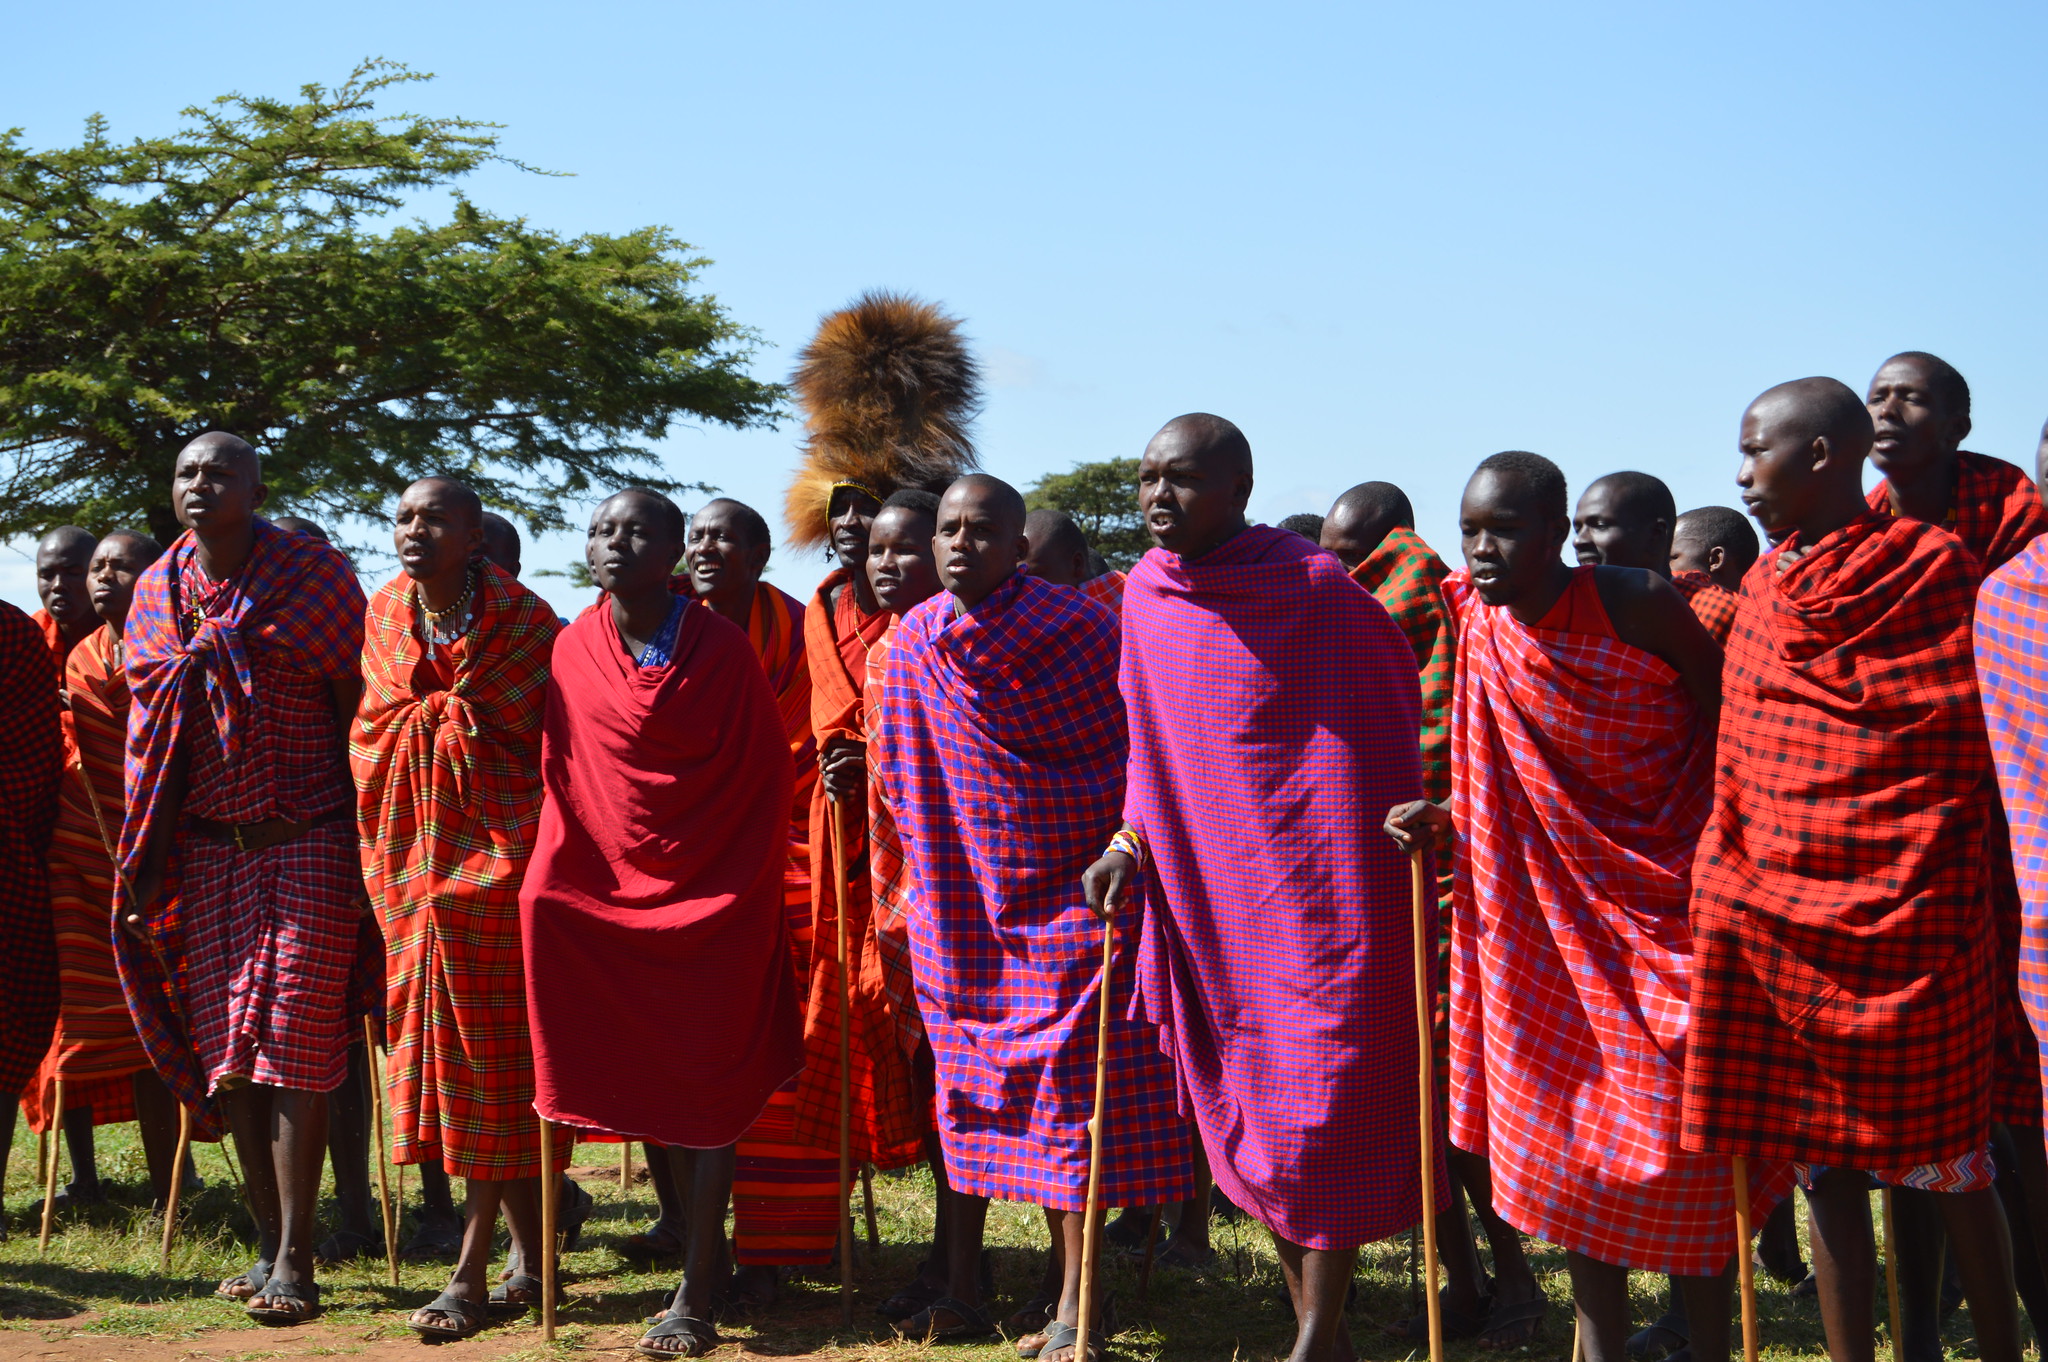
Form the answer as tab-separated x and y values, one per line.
1417	884
55	1119
1091	1237
370	1062
867	1197
845	1073
1891	1273
1745	1270
547	1231
177	1181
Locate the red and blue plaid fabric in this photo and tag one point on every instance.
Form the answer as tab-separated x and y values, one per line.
1584	773
1002	744
260	945
2011	645
448	801
1275	718
30	763
1845	950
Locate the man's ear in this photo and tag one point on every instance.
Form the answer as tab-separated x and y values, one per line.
1717	558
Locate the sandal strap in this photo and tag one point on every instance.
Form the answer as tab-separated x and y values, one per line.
1059	1336
691	1327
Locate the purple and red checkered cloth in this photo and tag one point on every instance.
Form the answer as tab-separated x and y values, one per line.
262	946
1002	745
1275	718
30	767
1845	987
2012	676
1583	772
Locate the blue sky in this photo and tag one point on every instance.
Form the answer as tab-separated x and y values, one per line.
1386	241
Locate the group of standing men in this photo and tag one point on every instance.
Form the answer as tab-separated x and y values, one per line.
1719	851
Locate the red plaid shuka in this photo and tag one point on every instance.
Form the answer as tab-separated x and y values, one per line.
446	756
1845	950
262	946
888	1122
30	755
1713	605
1995	509
1107	591
1996	512
2011	646
1002	742
95	1050
1583	772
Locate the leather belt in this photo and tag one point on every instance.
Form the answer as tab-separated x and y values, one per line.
268	832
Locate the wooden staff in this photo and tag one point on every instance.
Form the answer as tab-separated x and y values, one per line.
625	1173
55	1119
1745	1270
177	1181
845	1073
370	1062
1427	1088
1891	1273
1090	1238
547	1231
867	1197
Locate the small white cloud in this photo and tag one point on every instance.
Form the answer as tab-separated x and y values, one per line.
1008	369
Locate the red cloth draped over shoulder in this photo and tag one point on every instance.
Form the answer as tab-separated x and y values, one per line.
446	757
889	878
1713	605
30	757
1996	512
240	688
1845	950
1995	509
95	1049
1584	774
1107	590
888	1123
657	960
1275	718
1404	574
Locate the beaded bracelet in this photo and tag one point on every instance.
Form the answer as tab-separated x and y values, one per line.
1129	843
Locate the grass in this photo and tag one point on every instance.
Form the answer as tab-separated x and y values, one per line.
102	1280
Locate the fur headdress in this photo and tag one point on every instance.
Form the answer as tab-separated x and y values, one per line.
887	388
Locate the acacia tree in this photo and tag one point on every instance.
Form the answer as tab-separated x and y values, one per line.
1102	497
232	277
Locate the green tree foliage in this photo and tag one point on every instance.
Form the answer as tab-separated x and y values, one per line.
1102	498
231	277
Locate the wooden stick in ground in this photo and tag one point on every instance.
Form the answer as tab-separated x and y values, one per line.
1091	1216
1891	1274
177	1181
547	1231
625	1171
370	1062
1745	1270
845	1073
1426	1085
54	1118
867	1197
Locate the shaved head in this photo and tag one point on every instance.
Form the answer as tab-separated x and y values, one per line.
1803	445
1059	551
1194	481
1818	408
457	495
144	544
997	496
1943	378
298	524
1625	520
501	543
979	541
1361	518
67	541
233	447
1716	540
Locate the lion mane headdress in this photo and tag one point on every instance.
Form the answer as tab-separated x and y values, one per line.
888	389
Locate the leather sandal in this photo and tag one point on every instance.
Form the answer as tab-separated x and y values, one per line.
306	1294
469	1312
973	1323
699	1336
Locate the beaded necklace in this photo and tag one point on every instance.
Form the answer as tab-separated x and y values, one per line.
443	627
200	593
